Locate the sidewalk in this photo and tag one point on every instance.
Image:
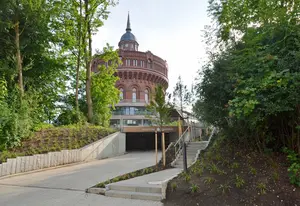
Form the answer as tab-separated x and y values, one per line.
156	178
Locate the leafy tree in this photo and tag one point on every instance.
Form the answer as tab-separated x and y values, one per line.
95	11
160	108
161	112
105	94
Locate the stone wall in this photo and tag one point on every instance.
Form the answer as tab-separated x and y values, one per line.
112	145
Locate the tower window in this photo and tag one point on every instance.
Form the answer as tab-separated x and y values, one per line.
121	94
134	95
127	62
146	96
126	45
134	63
142	64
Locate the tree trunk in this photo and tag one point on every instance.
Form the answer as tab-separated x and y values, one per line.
88	64
78	57
18	58
163	148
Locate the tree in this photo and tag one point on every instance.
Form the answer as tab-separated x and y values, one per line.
95	11
181	94
18	16
249	89
105	94
161	112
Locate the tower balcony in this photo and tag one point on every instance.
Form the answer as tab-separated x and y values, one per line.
132	102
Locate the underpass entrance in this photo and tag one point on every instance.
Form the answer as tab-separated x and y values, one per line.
144	141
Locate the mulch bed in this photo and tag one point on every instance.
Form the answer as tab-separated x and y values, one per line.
219	176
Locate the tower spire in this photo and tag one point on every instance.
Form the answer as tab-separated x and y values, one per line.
128	28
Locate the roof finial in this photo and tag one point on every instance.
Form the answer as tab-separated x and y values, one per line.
128	28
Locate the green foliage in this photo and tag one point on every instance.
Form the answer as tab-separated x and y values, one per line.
159	107
249	87
68	117
262	188
239	182
42	126
173	186
235	165
224	188
209	180
187	177
104	92
294	169
55	139
194	188
275	176
253	171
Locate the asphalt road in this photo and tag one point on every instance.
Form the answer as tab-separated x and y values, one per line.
66	185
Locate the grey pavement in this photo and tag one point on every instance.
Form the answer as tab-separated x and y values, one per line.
66	185
155	178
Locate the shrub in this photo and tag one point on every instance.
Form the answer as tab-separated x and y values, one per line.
173	186
253	171
194	188
262	188
224	188
239	182
209	180
294	169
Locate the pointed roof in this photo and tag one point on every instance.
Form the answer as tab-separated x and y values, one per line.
128	36
128	28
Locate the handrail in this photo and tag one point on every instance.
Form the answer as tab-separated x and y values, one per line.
181	137
179	142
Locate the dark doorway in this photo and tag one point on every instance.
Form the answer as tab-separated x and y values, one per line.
144	141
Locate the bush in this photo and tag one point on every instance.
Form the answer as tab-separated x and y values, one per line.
70	116
294	169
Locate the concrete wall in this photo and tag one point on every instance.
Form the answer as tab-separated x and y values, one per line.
112	145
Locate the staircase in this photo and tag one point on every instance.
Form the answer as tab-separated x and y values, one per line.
192	153
141	192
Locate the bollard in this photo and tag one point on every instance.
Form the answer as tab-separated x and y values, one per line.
184	157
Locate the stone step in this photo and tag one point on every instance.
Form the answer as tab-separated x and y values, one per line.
196	145
181	165
134	188
188	158
134	195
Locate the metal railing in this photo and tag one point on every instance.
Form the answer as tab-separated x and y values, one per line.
133	101
132	113
185	137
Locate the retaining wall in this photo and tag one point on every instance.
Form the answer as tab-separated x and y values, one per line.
110	146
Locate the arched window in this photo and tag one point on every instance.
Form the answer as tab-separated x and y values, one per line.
146	95
134	95
121	94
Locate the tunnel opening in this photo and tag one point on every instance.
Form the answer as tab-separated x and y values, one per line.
144	141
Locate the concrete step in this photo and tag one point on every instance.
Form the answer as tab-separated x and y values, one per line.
135	188
181	165
134	195
188	159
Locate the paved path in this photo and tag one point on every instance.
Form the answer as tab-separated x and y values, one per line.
65	186
155	178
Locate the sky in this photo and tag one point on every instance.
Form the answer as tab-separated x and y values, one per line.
170	29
